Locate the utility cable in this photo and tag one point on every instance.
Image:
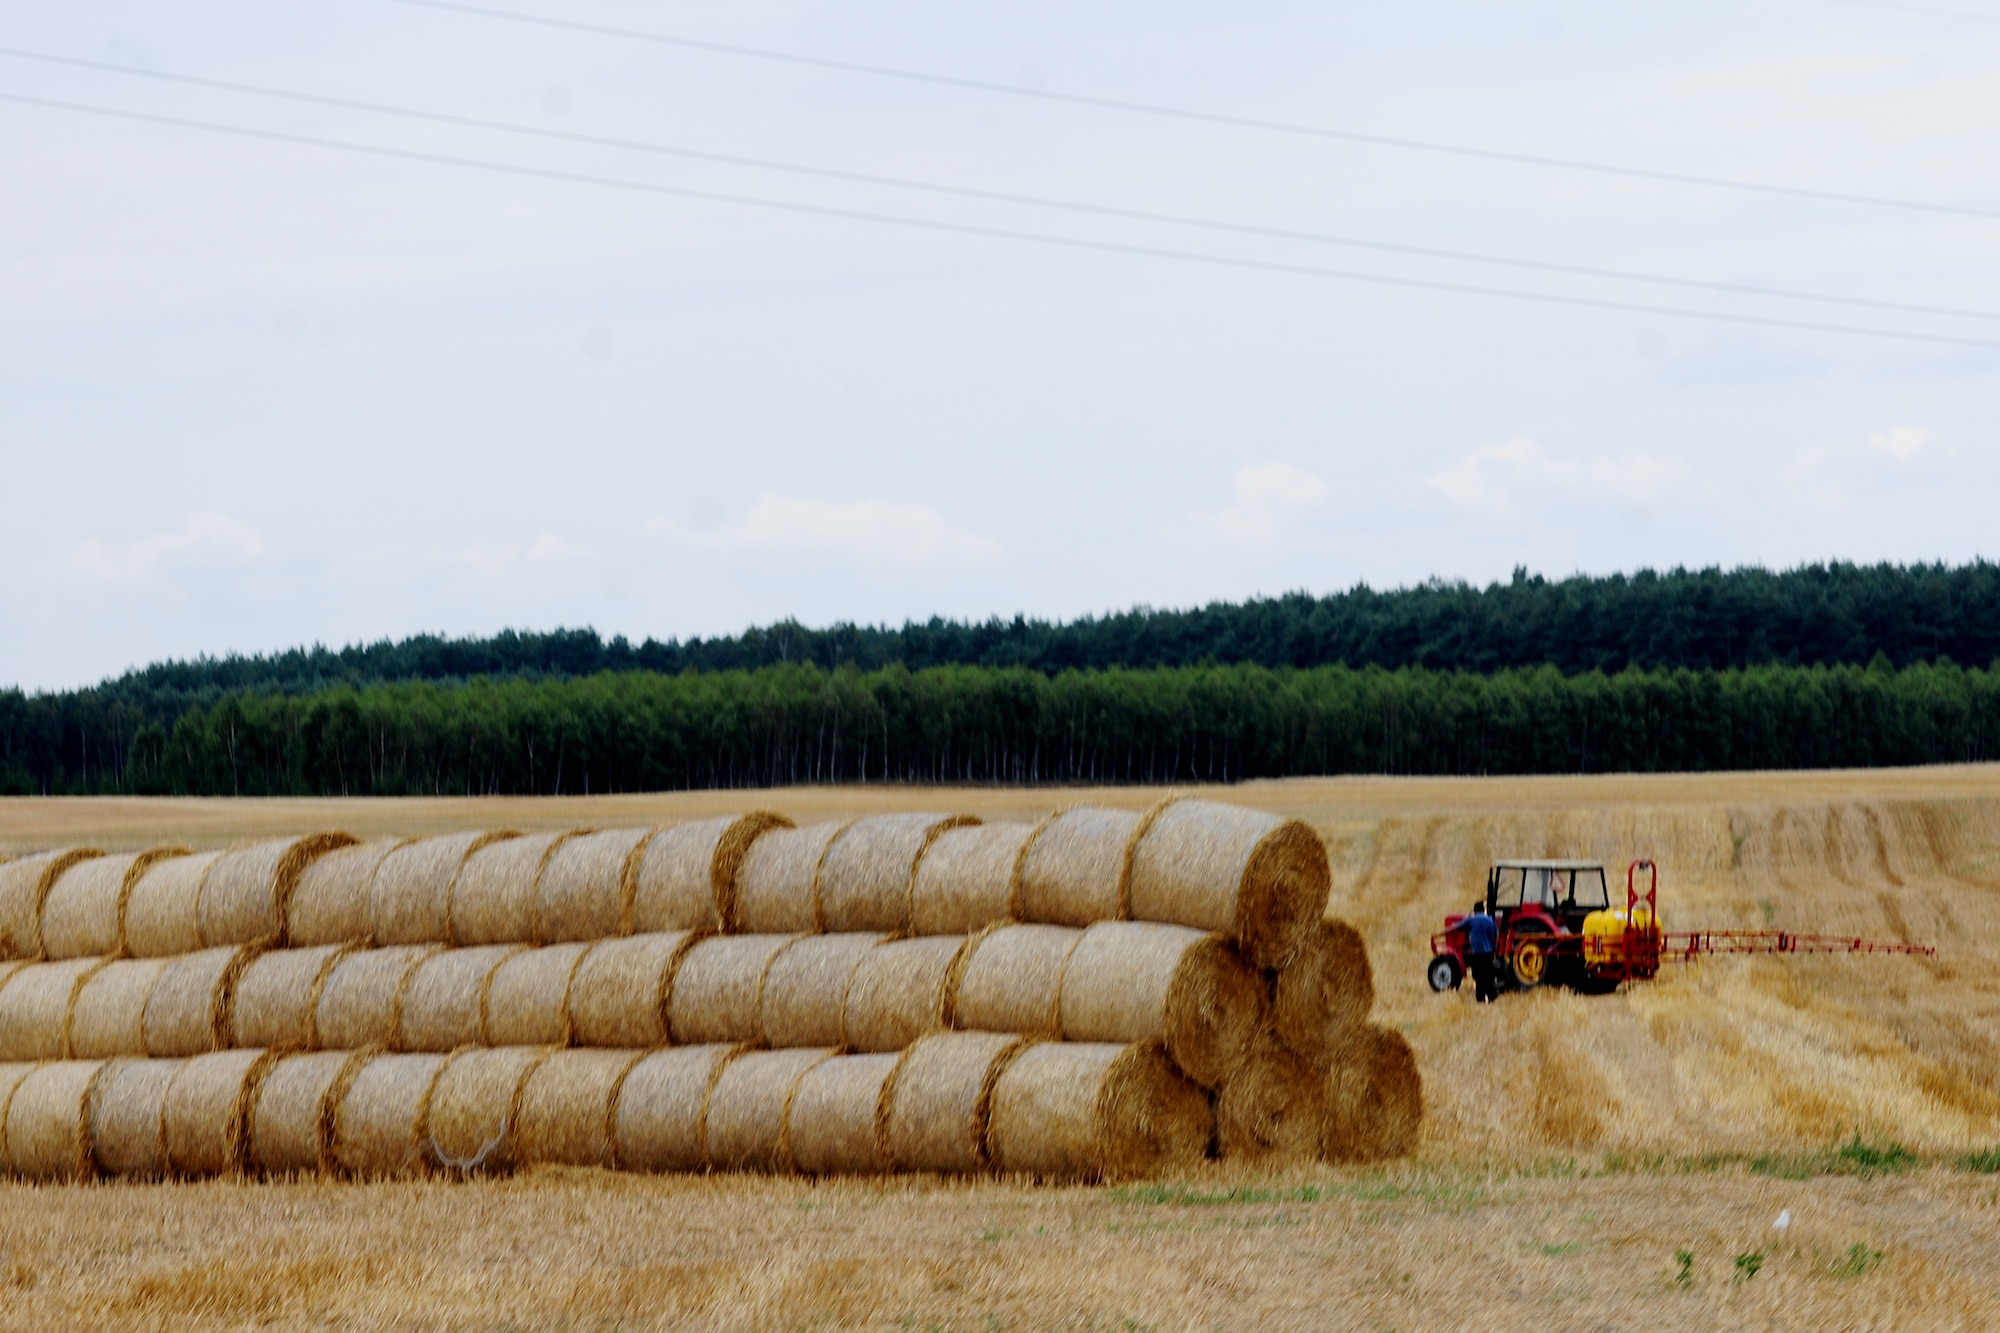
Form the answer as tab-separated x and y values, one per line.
970	229
1205	117
1925	10
999	196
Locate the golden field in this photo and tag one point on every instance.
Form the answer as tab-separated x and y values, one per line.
1573	1148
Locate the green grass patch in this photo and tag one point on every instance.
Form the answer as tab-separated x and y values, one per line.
1853	1158
1859	1261
1980	1163
1448	1190
1857	1157
1186	1196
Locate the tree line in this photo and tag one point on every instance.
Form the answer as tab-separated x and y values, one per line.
1705	619
641	730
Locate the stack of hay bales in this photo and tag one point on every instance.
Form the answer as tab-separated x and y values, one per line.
1103	994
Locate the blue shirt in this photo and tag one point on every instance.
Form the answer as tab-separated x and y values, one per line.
1481	935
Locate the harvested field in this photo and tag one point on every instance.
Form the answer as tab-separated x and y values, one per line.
1573	1145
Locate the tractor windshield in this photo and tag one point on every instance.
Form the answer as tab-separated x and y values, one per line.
1507	881
1587	889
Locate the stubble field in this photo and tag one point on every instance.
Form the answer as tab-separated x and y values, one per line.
1616	1162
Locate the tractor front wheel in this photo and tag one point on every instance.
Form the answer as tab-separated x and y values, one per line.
1530	963
1443	973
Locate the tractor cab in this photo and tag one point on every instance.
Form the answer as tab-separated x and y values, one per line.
1560	893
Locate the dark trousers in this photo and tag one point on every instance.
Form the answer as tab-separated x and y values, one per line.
1481	966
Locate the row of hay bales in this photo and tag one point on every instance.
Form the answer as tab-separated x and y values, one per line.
1259	879
951	1102
1186	940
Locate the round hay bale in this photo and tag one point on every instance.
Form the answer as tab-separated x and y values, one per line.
497	896
940	1097
163	909
409	899
777	886
1273	1105
48	1121
619	994
838	1124
24	888
11	1076
869	873
79	917
570	1105
688	874
1012	980
805	990
1077	870
1254	876
362	1000
128	1131
1324	994
1374	1099
902	990
187	1012
207	1113
378	1123
657	1123
1143	981
291	1130
277	997
330	903
248	894
109	1016
718	992
1095	1111
969	878
527	1001
36	1006
476	1106
744	1126
590	884
444	1001
84	914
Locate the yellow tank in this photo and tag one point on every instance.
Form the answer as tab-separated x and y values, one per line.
1604	932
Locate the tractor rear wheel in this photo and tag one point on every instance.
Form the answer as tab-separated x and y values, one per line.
1529	965
1443	973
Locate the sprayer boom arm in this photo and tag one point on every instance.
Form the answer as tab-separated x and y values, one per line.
1682	945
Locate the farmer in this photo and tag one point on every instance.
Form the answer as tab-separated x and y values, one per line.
1481	938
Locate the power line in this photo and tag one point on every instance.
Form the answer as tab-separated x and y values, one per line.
1926	10
1205	117
1000	196
1000	233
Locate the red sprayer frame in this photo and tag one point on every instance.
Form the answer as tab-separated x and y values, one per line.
1683	945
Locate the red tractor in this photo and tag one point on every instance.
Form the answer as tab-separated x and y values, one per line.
1556	926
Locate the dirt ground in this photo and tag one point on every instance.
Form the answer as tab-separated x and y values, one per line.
1603	1163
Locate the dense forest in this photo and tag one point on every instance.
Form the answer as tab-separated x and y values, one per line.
1692	670
639	730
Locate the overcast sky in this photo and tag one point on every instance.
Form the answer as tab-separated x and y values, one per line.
257	393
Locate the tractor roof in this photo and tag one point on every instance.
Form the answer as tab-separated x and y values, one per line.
1515	864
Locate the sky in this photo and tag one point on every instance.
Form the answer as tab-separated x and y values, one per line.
258	392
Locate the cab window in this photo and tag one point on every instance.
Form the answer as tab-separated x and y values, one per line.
1507	884
1545	887
1588	890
